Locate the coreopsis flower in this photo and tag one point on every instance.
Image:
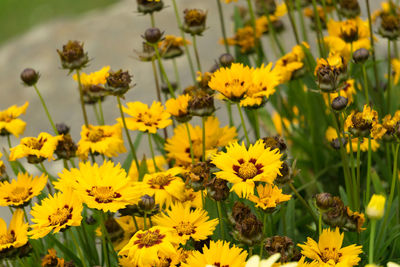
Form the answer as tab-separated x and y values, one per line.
9	121
364	123
347	36
104	187
51	259
376	207
291	65
194	21
19	192
171	46
232	82
193	198
129	228
178	146
133	173
329	251
118	83
268	196
36	149
165	186
93	84
218	253
245	39
331	136
103	139
146	119
16	235
243	167
72	56
179	107
145	247
330	72
265	80
186	223
56	213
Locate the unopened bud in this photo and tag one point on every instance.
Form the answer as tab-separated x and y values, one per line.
29	76
153	35
360	55
146	203
226	60
340	103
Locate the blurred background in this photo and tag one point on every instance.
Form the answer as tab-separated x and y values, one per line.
31	31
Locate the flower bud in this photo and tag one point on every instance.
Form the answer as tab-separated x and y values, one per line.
148	7
118	83
29	76
202	104
218	189
361	55
66	148
72	56
194	21
275	142
249	230
390	26
324	200
226	60
239	212
153	35
376	207
349	8
146	203
62	128
282	245
339	103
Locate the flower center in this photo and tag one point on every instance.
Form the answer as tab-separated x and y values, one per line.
34	143
149	238
6	117
7	238
331	255
147	119
218	264
185	228
19	194
103	194
247	170
160	181
61	216
95	135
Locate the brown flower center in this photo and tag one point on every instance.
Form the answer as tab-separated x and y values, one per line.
103	194
95	135
330	255
19	194
149	238
61	216
36	144
7	238
185	228
247	170
160	181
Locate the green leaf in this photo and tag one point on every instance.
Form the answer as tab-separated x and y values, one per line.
376	182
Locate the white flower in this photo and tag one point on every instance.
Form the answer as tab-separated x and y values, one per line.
255	261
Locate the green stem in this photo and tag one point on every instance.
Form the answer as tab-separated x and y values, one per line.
96	114
85	118
196	52
291	19
104	234
371	242
162	69
264	234
203	120
256	124
49	176
302	22
318	30
371	37
222	22
305	204
178	20
320	223
274	35
153	22
190	142
135	222
357	182
389	72
9	141
45	109
243	124
144	221
176	72
158	90
133	150
229	109
367	197
101	112
78	248
365	84
152	151
221	226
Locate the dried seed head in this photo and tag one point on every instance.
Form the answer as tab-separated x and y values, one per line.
194	21
324	201
390	26
148	7
72	56
218	189
349	8
118	83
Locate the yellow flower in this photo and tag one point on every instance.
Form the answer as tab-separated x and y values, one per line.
105	139
292	62
376	207
396	70
9	121
178	146
128	226
329	251
179	107
277	121
146	119
17	233
229	1
186	223
218	253
193	198
145	247
133	171
95	78
104	187
232	82
347	36
36	149
243	167
19	192
264	82
55	213
364	123
245	37
165	186
51	259
268	196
